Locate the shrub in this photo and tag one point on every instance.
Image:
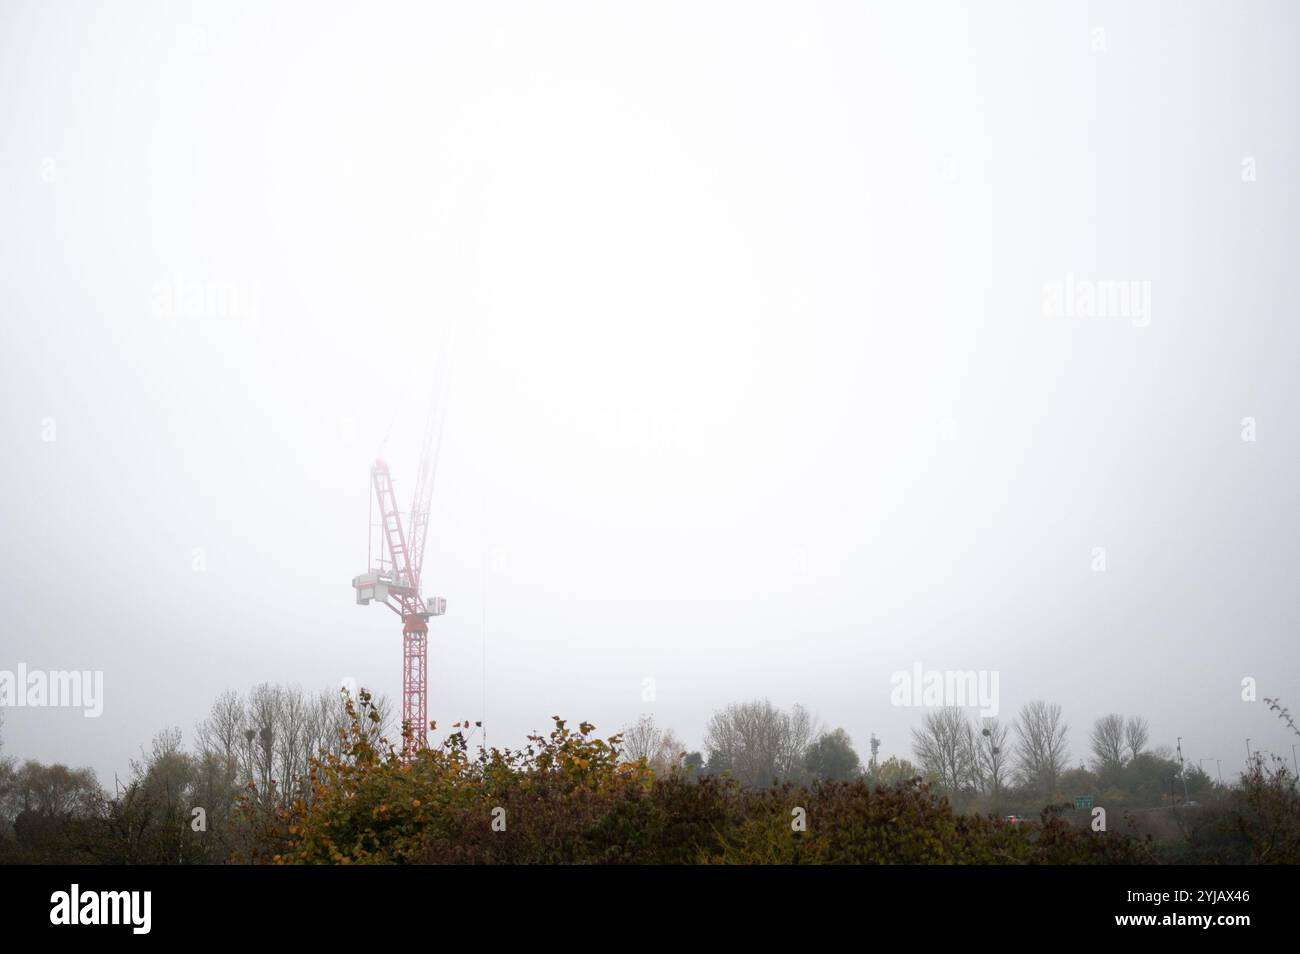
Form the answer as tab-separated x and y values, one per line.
567	798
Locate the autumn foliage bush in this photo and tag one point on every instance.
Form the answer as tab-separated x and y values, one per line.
569	798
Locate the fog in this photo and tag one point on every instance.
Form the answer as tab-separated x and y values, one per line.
754	388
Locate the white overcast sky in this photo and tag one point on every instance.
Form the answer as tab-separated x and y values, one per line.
752	394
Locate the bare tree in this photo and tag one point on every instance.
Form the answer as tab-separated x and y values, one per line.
993	757
744	739
800	729
1041	751
660	748
1107	742
269	738
294	741
222	731
260	732
758	743
1136	736
671	754
330	721
944	746
641	739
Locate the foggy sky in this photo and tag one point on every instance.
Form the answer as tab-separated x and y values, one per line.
753	392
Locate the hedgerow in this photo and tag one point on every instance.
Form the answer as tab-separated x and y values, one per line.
569	798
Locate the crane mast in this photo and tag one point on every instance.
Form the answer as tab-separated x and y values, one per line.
397	586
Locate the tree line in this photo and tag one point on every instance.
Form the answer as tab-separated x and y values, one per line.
177	805
984	764
255	760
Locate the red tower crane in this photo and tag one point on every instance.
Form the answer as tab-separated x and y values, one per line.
395	582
